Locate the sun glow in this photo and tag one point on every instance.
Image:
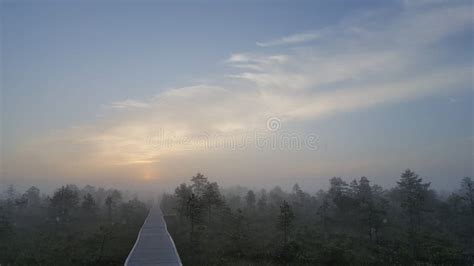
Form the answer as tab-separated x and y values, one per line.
149	174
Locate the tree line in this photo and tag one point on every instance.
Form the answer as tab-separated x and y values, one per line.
88	226
355	223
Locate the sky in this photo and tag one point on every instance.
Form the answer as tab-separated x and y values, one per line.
253	93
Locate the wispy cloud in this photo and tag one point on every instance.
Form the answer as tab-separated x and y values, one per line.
127	104
292	39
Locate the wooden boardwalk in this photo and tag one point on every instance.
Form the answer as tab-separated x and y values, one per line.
154	245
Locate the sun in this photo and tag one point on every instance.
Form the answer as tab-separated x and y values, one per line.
148	175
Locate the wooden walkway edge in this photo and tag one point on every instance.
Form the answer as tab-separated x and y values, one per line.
154	245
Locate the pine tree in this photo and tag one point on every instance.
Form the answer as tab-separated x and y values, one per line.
65	199
199	184
262	201
33	196
182	193
413	194
250	199
194	214
109	203
323	213
285	220
211	198
467	192
88	203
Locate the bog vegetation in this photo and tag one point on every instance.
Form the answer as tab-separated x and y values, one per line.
73	226
354	223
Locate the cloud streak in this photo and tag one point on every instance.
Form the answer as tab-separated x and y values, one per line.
128	104
292	39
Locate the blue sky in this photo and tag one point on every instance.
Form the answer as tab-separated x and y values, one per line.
385	85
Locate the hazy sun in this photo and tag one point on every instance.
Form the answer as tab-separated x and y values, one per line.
148	175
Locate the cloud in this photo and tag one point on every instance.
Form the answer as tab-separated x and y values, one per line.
375	94
128	104
239	58
292	39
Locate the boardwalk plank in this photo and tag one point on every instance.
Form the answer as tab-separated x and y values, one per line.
154	245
